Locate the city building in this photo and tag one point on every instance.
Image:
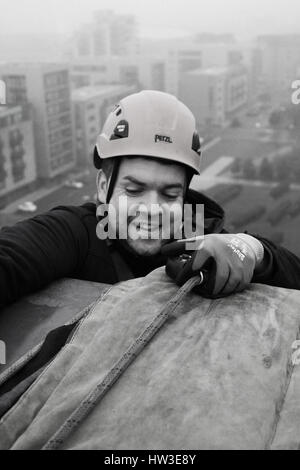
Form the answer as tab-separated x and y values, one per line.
215	95
109	34
114	70
17	154
279	59
47	88
89	73
91	106
155	64
179	56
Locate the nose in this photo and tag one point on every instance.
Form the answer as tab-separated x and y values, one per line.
153	199
151	205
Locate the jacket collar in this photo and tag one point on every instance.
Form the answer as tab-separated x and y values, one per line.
214	215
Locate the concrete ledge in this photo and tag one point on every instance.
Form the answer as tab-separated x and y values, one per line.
24	324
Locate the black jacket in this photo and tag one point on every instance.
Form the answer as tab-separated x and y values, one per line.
63	243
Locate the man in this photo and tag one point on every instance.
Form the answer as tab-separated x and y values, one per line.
146	155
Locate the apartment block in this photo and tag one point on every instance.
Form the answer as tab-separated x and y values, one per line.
215	95
111	70
279	59
109	34
17	153
180	56
91	106
47	88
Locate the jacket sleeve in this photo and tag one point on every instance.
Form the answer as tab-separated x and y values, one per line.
39	250
282	268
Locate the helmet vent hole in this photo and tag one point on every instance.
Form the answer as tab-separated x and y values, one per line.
118	112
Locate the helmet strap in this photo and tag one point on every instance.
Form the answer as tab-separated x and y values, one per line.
113	178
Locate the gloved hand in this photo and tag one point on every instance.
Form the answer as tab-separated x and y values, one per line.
227	261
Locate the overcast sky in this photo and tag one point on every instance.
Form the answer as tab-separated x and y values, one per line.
156	17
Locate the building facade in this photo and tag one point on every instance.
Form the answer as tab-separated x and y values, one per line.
109	34
47	89
215	95
279	60
180	56
17	153
91	105
109	71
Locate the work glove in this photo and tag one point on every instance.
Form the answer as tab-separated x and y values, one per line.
225	262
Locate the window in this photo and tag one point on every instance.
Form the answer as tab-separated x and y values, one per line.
54	79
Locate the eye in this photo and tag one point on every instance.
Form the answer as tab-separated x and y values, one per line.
133	191
172	196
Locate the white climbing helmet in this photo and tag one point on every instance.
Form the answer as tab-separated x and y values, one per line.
151	124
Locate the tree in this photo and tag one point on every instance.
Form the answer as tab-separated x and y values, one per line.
265	97
292	162
282	169
275	119
266	170
279	190
249	170
236	122
236	166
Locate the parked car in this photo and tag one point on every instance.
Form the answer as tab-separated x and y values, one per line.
27	206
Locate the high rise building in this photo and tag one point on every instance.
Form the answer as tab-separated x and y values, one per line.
91	106
180	56
109	34
17	155
47	89
279	59
215	94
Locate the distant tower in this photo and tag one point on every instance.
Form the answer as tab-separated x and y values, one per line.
109	34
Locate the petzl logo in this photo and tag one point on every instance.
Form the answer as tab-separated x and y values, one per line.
2	93
163	138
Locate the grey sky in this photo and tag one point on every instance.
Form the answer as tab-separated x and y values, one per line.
157	17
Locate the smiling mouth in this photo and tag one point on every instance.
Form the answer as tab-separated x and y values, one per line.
148	228
147	231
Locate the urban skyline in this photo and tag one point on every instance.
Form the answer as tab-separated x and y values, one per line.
167	18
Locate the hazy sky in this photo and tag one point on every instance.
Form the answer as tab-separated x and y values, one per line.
156	17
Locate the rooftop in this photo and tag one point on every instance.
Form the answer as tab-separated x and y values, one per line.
89	92
25	67
210	71
291	40
7	110
218	71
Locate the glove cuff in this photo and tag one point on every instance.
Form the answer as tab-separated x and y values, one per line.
255	244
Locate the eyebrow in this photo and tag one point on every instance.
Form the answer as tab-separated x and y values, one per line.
131	179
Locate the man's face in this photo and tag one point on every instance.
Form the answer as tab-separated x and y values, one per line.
151	190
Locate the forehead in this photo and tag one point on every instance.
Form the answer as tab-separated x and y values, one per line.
148	170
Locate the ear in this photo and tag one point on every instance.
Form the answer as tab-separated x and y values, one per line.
102	186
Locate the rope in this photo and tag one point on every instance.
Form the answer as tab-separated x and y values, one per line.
94	397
